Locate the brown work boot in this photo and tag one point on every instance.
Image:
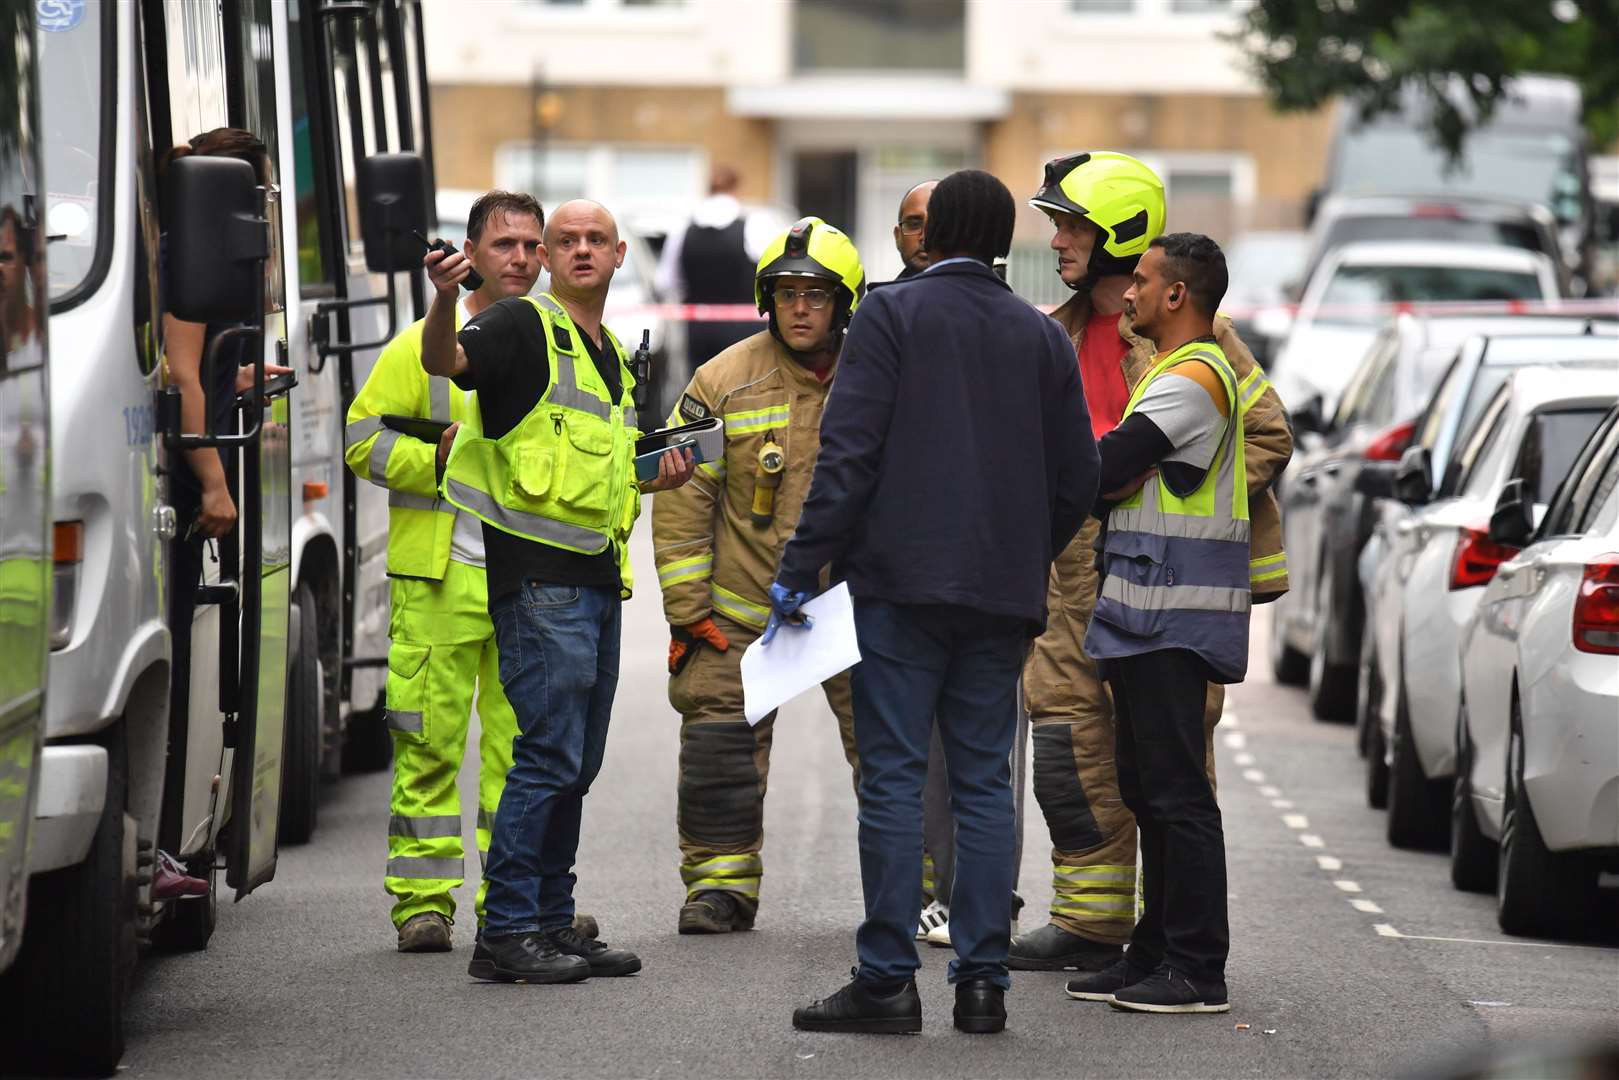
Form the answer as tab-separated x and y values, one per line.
717	911
427	932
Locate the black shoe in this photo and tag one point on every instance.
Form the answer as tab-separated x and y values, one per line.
1100	985
1051	948
524	958
604	960
856	1008
980	1007
1168	991
718	911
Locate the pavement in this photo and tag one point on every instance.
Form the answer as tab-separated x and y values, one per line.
1348	958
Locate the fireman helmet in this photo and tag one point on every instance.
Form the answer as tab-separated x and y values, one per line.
812	248
1116	193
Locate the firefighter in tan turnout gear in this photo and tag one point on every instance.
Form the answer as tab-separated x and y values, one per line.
718	541
1106	209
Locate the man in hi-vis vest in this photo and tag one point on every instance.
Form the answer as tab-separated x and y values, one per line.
549	470
1171	617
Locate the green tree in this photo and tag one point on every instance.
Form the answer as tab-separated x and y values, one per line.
1306	52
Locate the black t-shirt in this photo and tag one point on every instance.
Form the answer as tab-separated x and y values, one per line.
505	347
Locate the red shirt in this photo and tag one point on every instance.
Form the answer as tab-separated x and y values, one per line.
1101	367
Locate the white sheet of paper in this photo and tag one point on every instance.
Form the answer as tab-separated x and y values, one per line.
798	659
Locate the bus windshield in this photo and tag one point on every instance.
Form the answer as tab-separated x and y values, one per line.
70	46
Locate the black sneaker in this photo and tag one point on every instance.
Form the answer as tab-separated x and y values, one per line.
1051	948
718	911
980	1007
524	958
1168	991
856	1008
1100	985
604	960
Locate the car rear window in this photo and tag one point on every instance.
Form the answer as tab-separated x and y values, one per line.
1456	230
1352	296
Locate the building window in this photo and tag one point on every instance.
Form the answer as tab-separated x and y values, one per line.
626	179
1102	7
880	35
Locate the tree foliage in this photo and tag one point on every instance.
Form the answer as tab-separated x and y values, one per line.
1306	52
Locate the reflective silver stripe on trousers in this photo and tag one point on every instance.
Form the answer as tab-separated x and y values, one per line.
425	828
423	867
438	392
524	524
409	500
1149	520
404	721
360	430
377	463
1175	597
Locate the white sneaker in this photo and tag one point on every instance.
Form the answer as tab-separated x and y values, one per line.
939	936
934	915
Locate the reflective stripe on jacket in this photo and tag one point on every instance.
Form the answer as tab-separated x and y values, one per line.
1176	566
565	475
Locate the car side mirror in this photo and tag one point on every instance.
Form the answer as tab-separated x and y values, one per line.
1310	416
1375	479
1512	522
393	201
217	240
1412	483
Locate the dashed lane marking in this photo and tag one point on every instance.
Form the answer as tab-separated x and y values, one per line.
1386	930
1311	840
1329	862
1347	886
1282	804
1242	759
1253	776
1295	821
1235	740
1368	906
1270	791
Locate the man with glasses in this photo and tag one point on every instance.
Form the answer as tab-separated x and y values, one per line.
717	542
909	229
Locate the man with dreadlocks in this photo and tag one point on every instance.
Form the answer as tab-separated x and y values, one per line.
716	542
950	472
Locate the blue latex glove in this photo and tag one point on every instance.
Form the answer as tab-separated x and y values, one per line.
784	605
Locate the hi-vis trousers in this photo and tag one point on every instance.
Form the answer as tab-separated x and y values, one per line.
441	661
1093	834
724	767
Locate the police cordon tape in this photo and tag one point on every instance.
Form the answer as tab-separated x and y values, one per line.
1601	307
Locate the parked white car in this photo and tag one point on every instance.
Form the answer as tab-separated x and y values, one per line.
1532	430
1535	810
1349	299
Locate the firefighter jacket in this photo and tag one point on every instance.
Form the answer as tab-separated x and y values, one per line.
1268	440
419	522
565	475
711	556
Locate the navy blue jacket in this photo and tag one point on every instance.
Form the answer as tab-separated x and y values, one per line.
956	450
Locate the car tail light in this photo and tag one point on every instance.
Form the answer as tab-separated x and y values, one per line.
1390	444
1437	210
1477	559
1596	609
67	553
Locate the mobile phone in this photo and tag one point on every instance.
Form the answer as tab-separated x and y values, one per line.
472	282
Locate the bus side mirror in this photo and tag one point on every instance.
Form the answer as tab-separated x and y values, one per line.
393	201
218	239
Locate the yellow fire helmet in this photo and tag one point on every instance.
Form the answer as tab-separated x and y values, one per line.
812	248
1114	192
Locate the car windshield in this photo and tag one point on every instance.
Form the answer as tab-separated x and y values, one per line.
1449	228
1355	293
70	40
1534	167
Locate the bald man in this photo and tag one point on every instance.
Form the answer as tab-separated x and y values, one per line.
549	471
911	227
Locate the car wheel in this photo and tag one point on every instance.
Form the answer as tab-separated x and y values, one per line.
1377	770
1369	691
1330	687
1472	856
1538	892
305	715
1418	807
1288	666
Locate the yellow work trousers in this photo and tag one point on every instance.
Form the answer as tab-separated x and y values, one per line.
725	765
441	661
1093	834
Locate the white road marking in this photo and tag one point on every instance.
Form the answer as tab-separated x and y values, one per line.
1253	776
1329	862
1311	840
1270	791
1295	821
1243	758
1368	906
1236	740
1282	804
1347	886
1385	930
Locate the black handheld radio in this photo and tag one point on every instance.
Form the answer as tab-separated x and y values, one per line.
472	282
641	368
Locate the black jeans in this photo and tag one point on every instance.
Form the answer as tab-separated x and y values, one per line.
1160	748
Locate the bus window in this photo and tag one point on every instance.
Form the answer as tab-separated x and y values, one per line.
315	242
252	108
74	53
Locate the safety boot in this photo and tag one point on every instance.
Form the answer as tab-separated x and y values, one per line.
426	932
717	911
1051	948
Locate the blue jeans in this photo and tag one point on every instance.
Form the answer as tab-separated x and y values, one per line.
919	662
559	667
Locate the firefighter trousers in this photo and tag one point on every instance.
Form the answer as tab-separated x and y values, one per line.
725	766
1093	834
441	661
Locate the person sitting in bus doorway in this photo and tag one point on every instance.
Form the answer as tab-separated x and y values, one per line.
717	542
200	482
441	657
550	472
